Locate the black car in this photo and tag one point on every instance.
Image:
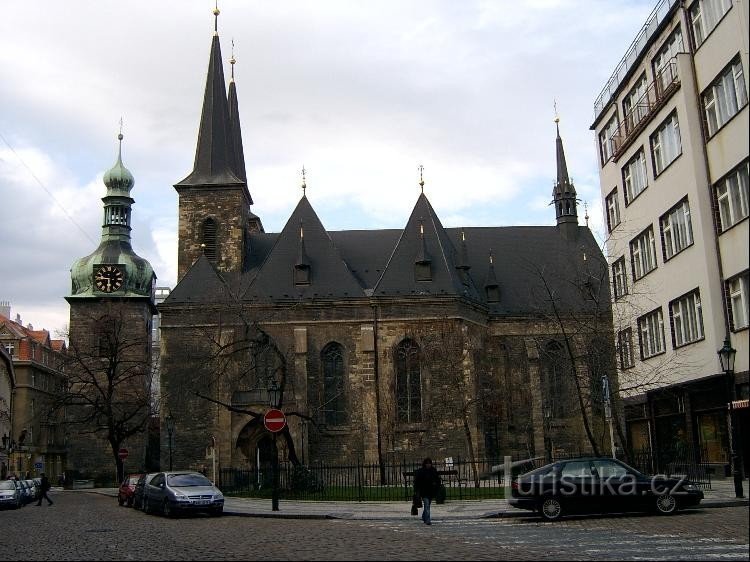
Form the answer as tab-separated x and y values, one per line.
599	485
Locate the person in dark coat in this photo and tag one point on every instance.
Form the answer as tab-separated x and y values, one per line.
426	486
43	492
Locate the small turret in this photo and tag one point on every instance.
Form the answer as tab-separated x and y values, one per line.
564	194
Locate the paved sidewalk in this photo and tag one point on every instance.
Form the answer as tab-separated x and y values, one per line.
721	495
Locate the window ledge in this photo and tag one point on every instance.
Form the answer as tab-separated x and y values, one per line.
667	259
727	229
687	343
725	123
675	159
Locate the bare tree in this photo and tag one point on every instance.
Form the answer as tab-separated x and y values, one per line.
107	393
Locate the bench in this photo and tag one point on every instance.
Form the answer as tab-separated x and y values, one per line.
409	481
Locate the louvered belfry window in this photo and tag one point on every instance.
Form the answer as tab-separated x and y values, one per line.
208	239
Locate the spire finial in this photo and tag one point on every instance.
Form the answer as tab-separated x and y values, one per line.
557	118
232	60
119	138
304	181
301	230
586	209
421	179
492	261
463	235
216	17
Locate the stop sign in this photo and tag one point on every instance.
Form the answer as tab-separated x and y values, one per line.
122	453
274	420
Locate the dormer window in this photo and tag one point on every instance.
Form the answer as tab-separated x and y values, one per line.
302	274
423	271
493	293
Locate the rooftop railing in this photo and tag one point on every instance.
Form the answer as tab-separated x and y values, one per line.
631	55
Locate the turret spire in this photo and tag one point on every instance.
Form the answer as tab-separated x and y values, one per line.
235	128
564	193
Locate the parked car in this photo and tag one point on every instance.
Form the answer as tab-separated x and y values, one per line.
10	495
28	493
173	493
599	485
139	491
35	490
126	492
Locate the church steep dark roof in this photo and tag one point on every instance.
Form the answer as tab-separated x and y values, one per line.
201	284
214	154
329	277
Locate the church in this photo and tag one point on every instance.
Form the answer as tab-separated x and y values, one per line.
376	344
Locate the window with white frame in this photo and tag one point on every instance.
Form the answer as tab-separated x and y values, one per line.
663	75
613	210
10	347
619	278
651	333
738	290
635	105
676	229
725	97
634	176
732	194
606	143
625	346
643	253
687	319
704	15
666	144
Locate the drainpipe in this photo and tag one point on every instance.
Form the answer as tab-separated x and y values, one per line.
377	391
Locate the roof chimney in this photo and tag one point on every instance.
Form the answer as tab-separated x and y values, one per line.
18	319
5	308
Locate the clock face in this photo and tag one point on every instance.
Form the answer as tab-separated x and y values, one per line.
108	278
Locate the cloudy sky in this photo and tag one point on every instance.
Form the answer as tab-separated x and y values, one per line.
360	92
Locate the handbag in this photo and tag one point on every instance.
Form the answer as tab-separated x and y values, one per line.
414	510
416	503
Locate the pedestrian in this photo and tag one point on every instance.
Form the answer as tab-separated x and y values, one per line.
426	486
44	489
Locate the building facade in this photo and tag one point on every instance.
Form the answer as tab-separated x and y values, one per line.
425	340
671	135
34	433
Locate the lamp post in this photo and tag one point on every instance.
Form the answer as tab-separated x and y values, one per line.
170	432
726	358
274	395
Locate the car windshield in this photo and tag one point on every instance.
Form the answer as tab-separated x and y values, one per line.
184	480
7	485
133	480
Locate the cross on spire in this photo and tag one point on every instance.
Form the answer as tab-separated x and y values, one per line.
304	182
216	17
232	60
421	179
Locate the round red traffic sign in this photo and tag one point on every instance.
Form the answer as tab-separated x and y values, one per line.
274	420
122	453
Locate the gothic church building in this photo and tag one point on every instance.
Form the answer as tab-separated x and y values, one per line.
399	343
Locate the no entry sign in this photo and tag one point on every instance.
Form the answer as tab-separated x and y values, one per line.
274	420
122	453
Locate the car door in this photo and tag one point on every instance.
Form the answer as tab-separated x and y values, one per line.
154	492
617	486
577	487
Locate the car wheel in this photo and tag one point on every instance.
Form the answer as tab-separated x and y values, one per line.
551	509
146	506
166	509
120	501
666	504
130	501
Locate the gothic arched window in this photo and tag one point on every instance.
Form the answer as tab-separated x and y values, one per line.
408	382
334	403
557	381
208	239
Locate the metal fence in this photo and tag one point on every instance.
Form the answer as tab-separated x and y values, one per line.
392	481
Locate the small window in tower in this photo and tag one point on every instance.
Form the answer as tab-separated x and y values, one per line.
209	239
302	274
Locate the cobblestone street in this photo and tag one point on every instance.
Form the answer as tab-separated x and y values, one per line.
82	526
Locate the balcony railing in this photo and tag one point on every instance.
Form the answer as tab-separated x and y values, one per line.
658	92
659	13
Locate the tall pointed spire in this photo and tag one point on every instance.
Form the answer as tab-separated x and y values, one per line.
236	129
215	157
564	193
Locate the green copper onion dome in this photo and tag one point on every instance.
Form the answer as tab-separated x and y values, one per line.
114	269
119	178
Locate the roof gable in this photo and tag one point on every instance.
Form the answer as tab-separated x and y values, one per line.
201	284
330	277
433	246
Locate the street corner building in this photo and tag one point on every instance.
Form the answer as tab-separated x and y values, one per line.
393	343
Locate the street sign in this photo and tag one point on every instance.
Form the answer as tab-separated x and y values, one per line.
274	420
39	465
122	453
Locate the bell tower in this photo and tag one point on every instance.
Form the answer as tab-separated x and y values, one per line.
564	194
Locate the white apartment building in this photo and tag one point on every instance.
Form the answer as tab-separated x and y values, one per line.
672	138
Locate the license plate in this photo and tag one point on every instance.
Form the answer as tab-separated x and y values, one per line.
202	502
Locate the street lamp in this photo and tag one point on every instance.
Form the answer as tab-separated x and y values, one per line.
726	358
274	395
170	432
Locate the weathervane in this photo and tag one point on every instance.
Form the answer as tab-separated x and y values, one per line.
232	60
304	182
216	17
421	180
119	137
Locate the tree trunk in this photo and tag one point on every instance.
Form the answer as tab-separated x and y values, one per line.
470	443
